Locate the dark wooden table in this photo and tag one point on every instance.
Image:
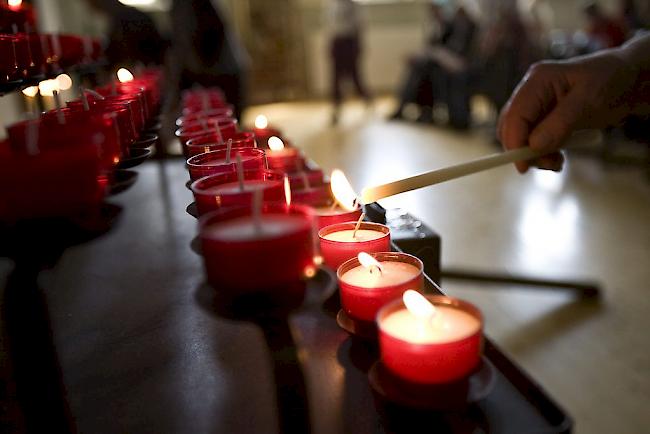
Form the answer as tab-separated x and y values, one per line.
141	352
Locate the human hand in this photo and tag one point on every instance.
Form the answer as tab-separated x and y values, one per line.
556	98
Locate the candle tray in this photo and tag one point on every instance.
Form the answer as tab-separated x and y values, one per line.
360	329
137	157
454	396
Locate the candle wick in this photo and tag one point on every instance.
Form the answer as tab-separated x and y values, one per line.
305	179
240	172
356	227
84	99
228	150
217	128
57	102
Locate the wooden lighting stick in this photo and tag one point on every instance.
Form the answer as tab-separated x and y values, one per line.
372	194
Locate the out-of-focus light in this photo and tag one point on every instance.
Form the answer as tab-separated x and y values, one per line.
275	144
124	75
47	87
64	81
137	2
261	122
30	91
15	4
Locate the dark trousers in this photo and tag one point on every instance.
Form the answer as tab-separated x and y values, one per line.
345	61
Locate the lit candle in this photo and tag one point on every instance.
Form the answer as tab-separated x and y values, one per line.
340	242
430	340
263	132
368	282
344	207
222	190
270	252
283	158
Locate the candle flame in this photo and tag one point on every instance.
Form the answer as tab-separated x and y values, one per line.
15	4
418	305
124	75
275	144
64	81
47	87
343	191
368	261
30	91
261	122
287	190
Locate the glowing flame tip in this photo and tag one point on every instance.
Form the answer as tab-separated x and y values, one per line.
124	75
418	305
343	191
261	122
368	261
275	144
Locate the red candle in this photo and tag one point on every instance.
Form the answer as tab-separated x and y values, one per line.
227	129
270	253
368	282
224	112
314	178
212	142
340	242
215	162
313	196
429	342
223	190
263	132
283	158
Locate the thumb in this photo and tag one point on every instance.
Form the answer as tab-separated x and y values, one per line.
558	125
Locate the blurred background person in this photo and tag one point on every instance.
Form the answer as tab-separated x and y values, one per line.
444	63
344	24
132	35
508	46
420	84
205	52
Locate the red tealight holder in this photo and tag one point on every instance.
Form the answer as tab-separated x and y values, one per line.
55	182
224	112
286	160
227	127
215	162
327	215
211	142
313	196
337	244
272	259
314	177
223	190
365	290
450	355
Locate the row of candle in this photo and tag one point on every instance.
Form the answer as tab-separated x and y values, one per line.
64	159
29	55
251	218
